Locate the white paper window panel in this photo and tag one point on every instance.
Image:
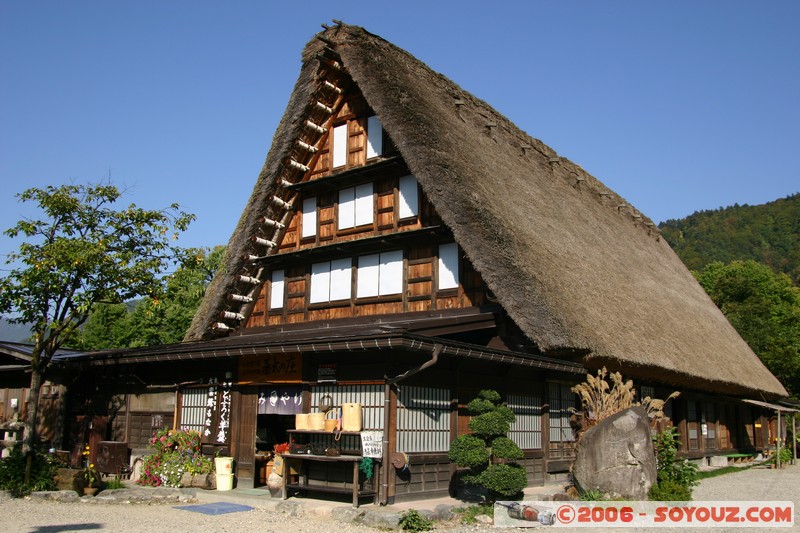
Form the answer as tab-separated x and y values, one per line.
347	208
309	217
278	284
374	137
448	266
391	273
340	146
408	197
368	276
364	204
320	282
341	279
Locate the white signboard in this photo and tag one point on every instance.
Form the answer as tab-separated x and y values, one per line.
372	444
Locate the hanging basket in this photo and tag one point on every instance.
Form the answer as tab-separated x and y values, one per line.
325	403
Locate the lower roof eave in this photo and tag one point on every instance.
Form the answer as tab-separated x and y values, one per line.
273	344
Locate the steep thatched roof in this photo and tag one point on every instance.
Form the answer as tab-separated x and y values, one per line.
576	267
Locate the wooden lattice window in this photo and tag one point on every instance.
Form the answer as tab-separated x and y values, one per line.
423	419
194	407
562	405
371	398
526	431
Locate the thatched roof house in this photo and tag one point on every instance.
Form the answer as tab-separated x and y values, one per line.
582	273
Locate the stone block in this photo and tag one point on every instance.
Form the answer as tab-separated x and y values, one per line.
69	479
382	520
718	461
347	514
616	457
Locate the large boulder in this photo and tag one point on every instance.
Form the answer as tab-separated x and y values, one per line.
616	457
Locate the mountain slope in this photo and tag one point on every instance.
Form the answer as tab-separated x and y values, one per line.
768	233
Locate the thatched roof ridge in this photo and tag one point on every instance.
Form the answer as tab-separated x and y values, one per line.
576	267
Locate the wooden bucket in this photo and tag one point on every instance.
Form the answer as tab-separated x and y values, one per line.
316	421
301	421
351	417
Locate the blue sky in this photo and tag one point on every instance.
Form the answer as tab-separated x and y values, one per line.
677	106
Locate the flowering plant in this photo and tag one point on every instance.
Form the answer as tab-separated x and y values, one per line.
91	475
282	447
176	452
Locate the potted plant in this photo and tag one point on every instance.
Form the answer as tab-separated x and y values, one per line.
91	476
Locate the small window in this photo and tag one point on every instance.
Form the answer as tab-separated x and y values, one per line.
309	220
380	274
339	146
374	137
448	266
355	206
409	197
278	284
331	281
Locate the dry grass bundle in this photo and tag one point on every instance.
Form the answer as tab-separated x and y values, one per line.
601	399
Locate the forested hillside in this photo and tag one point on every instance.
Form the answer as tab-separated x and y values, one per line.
768	233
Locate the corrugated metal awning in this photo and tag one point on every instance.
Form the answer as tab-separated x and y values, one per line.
773	406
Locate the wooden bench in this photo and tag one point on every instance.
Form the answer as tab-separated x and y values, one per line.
736	458
299	463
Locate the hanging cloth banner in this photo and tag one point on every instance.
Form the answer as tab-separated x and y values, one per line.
280	400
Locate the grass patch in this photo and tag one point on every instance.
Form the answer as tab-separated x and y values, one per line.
724	470
114	483
468	514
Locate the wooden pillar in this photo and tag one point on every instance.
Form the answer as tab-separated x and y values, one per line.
391	427
778	441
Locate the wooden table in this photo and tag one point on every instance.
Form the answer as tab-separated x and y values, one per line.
299	461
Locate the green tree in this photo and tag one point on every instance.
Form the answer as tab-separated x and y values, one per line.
768	233
764	307
150	321
81	253
164	320
107	327
488	454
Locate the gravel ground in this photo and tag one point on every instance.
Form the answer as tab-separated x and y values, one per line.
25	515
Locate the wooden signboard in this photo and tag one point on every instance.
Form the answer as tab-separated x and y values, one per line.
284	367
372	444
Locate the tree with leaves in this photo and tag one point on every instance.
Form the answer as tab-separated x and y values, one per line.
81	253
764	307
151	321
487	452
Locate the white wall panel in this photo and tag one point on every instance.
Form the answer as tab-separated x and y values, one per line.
408	197
278	284
374	137
340	146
